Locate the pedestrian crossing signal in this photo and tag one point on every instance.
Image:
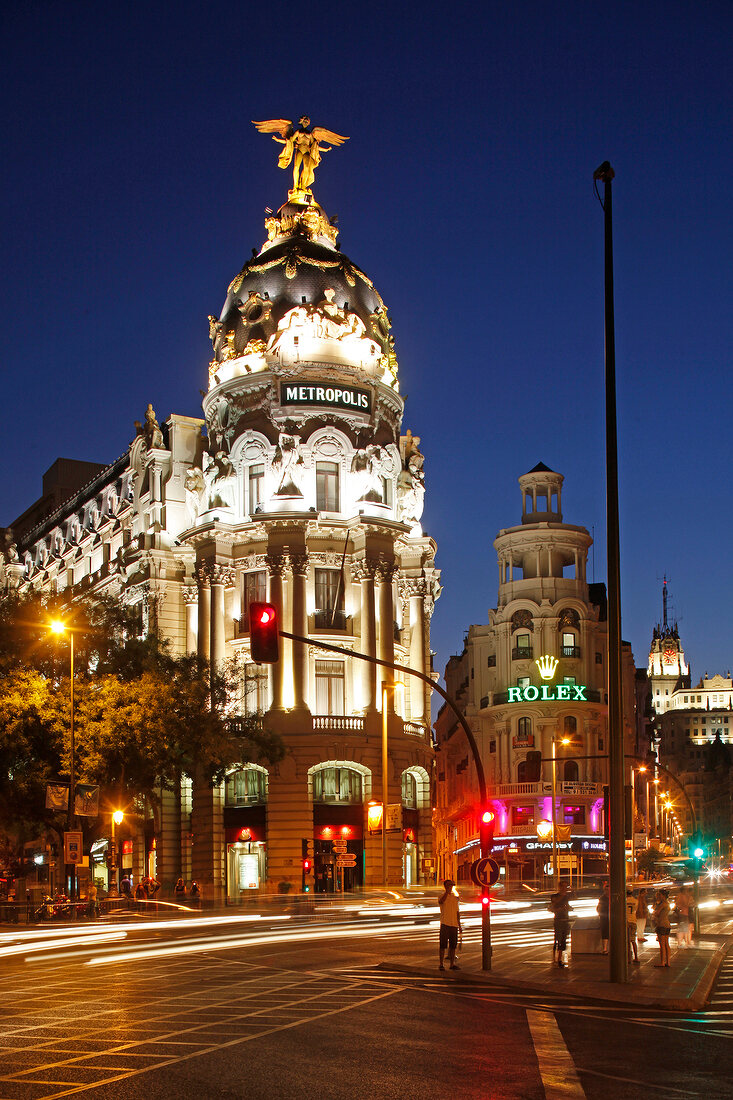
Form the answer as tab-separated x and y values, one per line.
486	831
263	634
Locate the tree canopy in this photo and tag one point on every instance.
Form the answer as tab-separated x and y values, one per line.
144	717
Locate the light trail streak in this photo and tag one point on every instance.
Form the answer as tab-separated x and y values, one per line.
73	941
245	941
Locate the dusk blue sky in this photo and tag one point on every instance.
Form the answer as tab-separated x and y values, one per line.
134	188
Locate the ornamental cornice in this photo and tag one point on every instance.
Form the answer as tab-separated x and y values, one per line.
363	569
329	558
251	562
300	563
315	651
222	575
410	587
277	564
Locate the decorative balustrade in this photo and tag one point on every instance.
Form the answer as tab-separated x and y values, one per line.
340	723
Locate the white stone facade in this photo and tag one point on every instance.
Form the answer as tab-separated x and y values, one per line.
296	487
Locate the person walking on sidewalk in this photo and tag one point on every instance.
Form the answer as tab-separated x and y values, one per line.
450	923
602	910
631	925
560	906
661	924
641	916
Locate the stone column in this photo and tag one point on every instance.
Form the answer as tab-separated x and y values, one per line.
277	564
363	571
191	600
204	638
300	564
220	577
385	573
415	591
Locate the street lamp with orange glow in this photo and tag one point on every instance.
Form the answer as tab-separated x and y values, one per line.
117	819
59	627
563	741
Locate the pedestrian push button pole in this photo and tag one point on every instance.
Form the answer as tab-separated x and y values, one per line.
486	843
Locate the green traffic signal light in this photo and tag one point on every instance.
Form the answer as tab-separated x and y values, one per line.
698	853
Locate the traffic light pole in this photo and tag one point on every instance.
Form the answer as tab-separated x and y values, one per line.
486	914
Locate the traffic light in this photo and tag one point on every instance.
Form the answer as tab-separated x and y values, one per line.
486	831
307	864
263	633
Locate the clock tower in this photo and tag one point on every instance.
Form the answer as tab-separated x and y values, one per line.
667	668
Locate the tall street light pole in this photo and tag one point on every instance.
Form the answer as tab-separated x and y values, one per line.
618	954
58	627
563	741
386	688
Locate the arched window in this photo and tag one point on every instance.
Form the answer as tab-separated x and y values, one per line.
570	771
409	791
570	727
522	771
246	787
524	729
337	785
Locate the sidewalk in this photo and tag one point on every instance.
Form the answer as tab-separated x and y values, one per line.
685	986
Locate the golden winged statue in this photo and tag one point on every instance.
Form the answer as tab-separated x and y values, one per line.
302	146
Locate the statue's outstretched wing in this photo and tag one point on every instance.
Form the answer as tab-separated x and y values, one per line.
282	126
321	134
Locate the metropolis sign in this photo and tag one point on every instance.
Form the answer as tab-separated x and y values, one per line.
326	396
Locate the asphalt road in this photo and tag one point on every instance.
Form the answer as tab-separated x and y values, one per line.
289	1009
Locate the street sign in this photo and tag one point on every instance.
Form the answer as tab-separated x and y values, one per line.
73	847
485	872
346	861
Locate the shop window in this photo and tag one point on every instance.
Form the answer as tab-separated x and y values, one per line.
246	787
573	815
327	486
337	785
330	600
523	815
329	687
409	791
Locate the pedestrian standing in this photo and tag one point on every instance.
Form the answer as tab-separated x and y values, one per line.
602	910
140	894
683	904
92	909
641	916
661	925
450	923
179	891
195	894
631	925
560	906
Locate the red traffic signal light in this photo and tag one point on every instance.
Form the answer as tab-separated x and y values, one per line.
486	831
263	633
307	866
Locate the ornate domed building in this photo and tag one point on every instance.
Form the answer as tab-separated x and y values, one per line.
299	487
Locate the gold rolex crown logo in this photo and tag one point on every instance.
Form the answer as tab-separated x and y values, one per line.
547	666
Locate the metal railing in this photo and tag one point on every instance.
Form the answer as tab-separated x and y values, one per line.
521	652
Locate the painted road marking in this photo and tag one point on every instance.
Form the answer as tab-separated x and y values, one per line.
559	1077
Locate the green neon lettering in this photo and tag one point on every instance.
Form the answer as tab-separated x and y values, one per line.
579	693
546	692
563	691
530	698
514	695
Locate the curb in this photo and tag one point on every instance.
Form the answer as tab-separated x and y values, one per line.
589	991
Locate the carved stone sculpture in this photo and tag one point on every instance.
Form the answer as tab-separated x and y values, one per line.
195	487
301	146
287	466
151	430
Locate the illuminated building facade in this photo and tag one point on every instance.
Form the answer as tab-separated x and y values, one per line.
297	486
534	674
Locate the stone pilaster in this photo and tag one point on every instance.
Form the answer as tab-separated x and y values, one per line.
385	574
363	570
300	565
204	632
191	601
277	564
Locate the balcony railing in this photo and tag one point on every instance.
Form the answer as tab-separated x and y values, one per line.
338	722
330	620
571	651
415	730
521	652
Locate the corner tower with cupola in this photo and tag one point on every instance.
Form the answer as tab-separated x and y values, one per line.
310	495
668	671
